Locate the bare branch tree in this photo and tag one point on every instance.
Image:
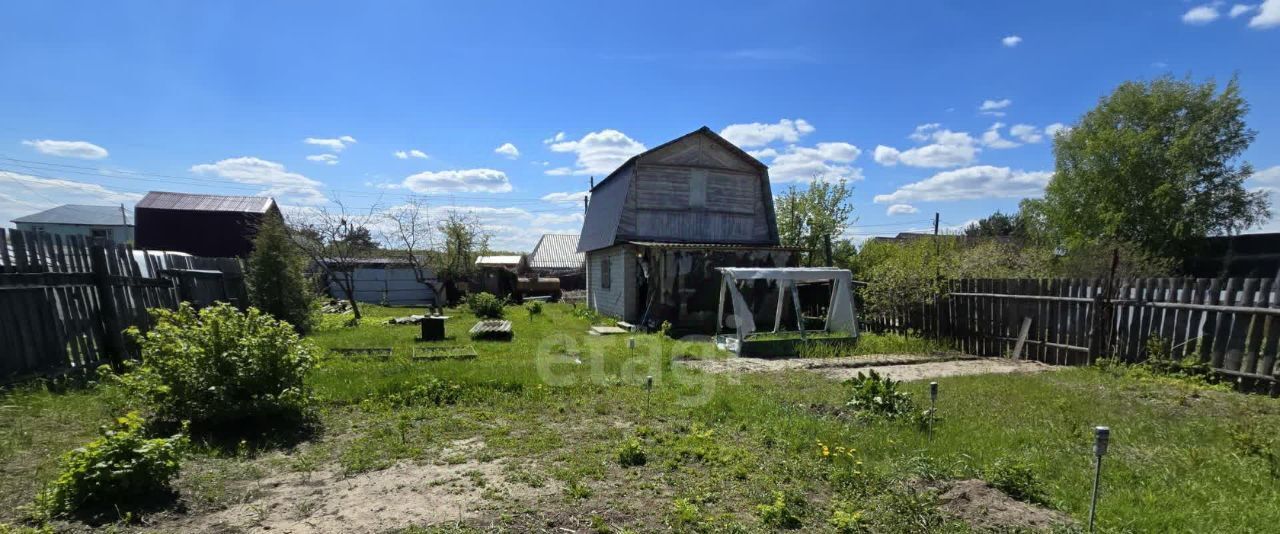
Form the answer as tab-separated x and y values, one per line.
460	238
409	229
333	238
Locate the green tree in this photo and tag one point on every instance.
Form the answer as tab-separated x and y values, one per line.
1155	164
998	224
276	281
808	218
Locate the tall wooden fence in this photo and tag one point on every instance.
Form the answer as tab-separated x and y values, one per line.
65	301
1233	324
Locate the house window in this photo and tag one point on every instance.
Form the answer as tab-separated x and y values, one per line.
99	232
606	273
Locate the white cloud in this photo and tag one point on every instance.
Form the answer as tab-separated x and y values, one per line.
273	177
414	153
901	209
334	144
566	196
1201	14
763	153
1011	41
508	150
1240	9
968	183
829	161
1026	133
22	194
992	139
1268	178
1053	129
922	132
948	149
327	159
559	171
598	153
1268	16
518	229
459	181
757	134
994	107
67	149
558	137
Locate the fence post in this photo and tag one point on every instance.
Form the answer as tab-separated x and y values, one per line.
112	331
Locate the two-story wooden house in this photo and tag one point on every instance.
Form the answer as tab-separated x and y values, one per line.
658	226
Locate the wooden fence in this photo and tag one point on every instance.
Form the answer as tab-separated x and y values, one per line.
1233	324
65	301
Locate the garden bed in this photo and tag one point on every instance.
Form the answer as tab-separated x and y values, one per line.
785	346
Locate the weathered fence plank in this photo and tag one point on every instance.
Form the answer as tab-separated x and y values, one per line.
64	300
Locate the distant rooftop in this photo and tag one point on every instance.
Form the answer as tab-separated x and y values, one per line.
191	202
557	251
82	215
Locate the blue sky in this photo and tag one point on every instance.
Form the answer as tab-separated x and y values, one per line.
925	106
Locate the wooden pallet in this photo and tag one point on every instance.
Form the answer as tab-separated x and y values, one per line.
377	352
492	329
431	354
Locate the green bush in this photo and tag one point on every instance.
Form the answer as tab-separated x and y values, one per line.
1017	479
220	369
631	453
879	396
781	513
534	307
118	472
486	306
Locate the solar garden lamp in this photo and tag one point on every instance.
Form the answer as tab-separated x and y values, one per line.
648	391
933	406
1101	437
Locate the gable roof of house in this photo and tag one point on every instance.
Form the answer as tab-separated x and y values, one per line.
193	202
609	196
80	214
557	251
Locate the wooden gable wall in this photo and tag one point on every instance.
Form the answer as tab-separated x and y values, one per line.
696	190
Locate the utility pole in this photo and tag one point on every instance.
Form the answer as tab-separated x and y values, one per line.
937	280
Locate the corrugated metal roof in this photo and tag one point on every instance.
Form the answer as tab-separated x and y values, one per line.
190	202
81	214
499	261
722	246
557	251
600	226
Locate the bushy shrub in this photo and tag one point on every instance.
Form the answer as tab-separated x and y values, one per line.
1017	479
119	471
783	512
880	396
218	367
486	306
631	453
534	307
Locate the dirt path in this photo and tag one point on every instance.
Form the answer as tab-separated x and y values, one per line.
895	366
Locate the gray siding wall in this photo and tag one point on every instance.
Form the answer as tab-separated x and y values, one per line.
619	299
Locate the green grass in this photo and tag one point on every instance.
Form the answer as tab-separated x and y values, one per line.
719	453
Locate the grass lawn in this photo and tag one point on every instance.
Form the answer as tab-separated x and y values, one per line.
558	413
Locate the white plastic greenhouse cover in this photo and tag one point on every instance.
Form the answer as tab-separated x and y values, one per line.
840	313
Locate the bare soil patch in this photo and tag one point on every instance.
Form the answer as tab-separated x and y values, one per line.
325	501
985	507
896	366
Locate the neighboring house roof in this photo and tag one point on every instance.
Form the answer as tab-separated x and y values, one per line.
499	261
190	202
557	251
81	215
